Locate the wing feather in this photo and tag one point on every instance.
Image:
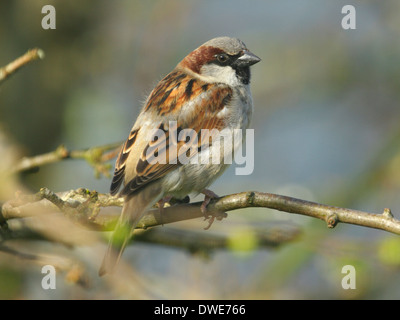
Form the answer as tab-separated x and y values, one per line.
119	171
192	104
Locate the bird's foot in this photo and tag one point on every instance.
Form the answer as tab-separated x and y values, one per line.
210	195
160	204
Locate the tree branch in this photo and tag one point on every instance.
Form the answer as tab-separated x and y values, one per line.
84	206
95	156
18	63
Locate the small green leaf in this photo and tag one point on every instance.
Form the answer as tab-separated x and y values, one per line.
242	240
389	251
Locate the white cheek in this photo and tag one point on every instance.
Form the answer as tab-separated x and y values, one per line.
220	74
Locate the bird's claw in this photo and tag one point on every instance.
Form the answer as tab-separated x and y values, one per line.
219	215
209	195
161	203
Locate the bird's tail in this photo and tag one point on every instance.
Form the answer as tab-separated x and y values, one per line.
133	210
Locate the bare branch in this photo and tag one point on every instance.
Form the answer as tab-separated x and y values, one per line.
204	242
79	206
18	63
95	156
86	206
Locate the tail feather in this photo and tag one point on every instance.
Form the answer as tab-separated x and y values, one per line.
133	210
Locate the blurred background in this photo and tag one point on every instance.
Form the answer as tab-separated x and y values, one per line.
327	129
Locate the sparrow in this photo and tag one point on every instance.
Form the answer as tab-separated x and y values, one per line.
208	91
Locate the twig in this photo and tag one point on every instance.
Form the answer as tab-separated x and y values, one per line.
95	156
75	273
18	63
78	204
196	241
204	242
330	214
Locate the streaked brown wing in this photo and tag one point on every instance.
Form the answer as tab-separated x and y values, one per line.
119	172
164	99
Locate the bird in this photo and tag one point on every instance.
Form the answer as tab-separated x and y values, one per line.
207	92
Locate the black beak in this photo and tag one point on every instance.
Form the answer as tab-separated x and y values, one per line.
246	59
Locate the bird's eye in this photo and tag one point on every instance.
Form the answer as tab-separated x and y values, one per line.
223	57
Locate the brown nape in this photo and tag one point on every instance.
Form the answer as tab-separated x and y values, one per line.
195	60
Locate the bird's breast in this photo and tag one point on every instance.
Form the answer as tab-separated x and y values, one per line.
238	112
